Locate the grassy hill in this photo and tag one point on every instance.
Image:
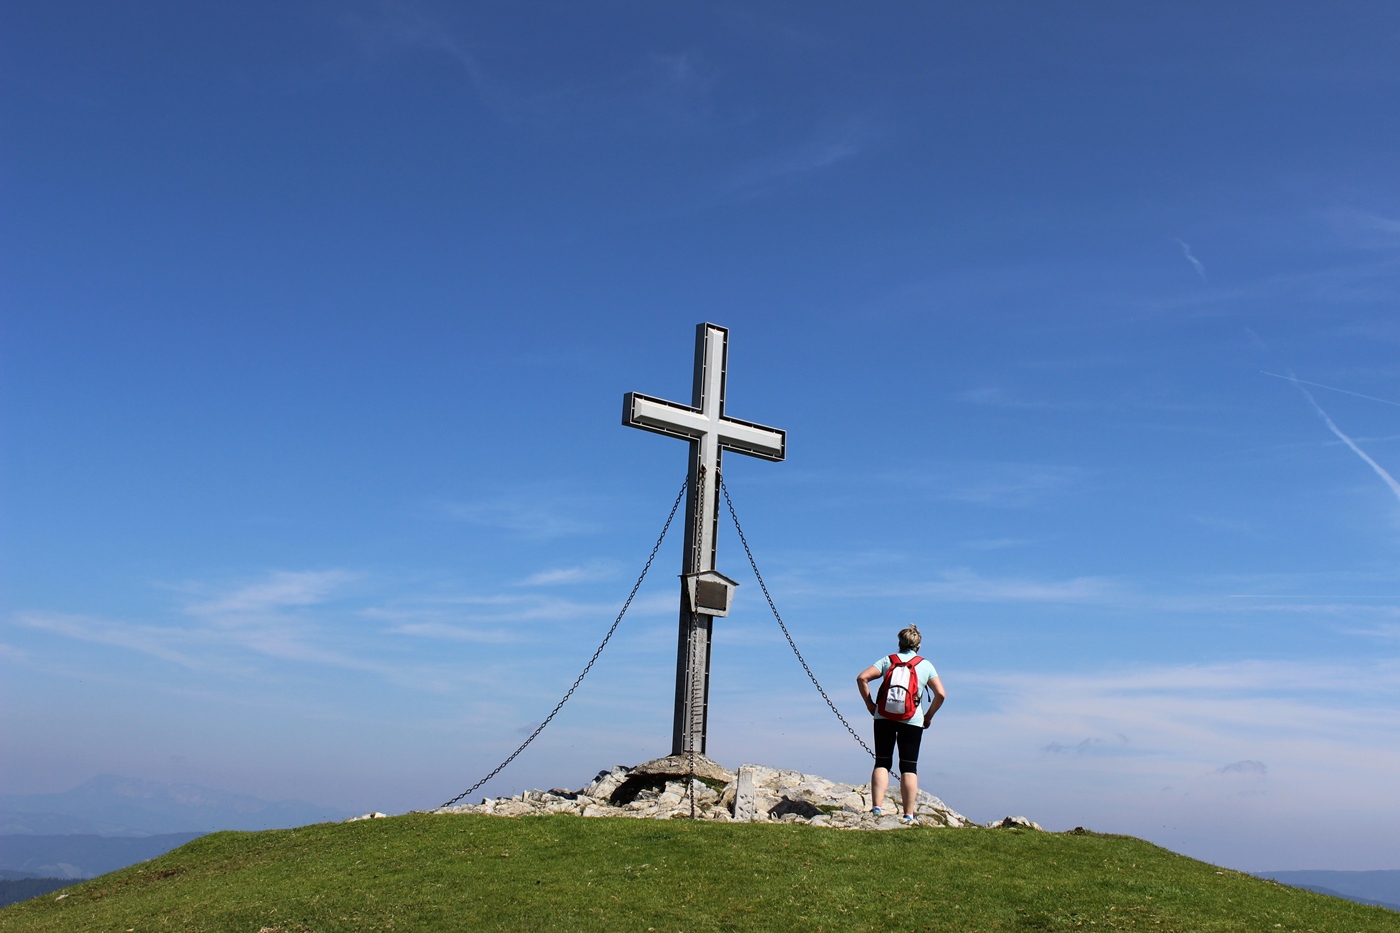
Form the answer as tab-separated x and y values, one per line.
418	873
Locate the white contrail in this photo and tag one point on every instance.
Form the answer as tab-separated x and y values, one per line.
1331	426
1297	381
1191	258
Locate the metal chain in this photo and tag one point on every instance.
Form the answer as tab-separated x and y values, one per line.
696	535
589	666
745	542
691	783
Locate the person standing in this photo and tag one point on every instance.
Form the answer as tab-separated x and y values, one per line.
906	733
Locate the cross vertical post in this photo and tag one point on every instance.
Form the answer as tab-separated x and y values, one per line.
710	432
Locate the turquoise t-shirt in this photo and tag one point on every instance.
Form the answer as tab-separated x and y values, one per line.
923	671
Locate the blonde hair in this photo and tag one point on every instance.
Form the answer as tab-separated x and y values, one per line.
910	639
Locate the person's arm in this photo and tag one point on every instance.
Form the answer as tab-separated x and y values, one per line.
939	695
863	680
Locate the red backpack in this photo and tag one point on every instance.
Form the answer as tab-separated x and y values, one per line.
899	691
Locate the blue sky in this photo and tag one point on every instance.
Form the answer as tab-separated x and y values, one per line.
317	319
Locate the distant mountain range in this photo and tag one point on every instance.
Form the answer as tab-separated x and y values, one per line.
13	890
79	856
1381	888
111	822
109	805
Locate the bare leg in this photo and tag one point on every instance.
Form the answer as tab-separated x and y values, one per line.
908	789
879	783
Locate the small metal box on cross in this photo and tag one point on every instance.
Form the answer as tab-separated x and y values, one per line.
710	432
709	591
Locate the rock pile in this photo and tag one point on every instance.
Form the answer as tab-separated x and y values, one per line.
665	788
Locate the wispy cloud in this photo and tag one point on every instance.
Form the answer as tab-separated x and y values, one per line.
393	25
169	643
1332	426
525	514
999	397
963	585
281	590
496	617
1231	525
1093	745
1197	719
968	586
1191	258
1385	632
830	146
999	485
660	90
1317	385
1364	284
998	544
221	656
1366	229
583	573
317	618
1366	689
267	618
996	396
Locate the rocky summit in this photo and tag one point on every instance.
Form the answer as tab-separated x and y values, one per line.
675	787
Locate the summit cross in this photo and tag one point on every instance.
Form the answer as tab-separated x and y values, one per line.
710	432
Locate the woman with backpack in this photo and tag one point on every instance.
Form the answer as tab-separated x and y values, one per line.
899	719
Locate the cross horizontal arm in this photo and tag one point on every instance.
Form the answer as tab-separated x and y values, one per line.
677	420
756	440
663	417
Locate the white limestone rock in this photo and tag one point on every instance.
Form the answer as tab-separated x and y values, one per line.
606	782
1014	822
744	806
660	789
685	766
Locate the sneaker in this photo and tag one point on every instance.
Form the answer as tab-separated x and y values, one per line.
909	819
876	811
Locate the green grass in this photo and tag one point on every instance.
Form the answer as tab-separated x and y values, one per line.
565	873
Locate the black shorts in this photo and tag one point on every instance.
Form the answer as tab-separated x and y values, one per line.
907	735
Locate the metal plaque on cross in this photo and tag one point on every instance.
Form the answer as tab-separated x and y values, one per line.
710	432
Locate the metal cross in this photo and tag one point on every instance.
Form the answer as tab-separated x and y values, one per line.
710	432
